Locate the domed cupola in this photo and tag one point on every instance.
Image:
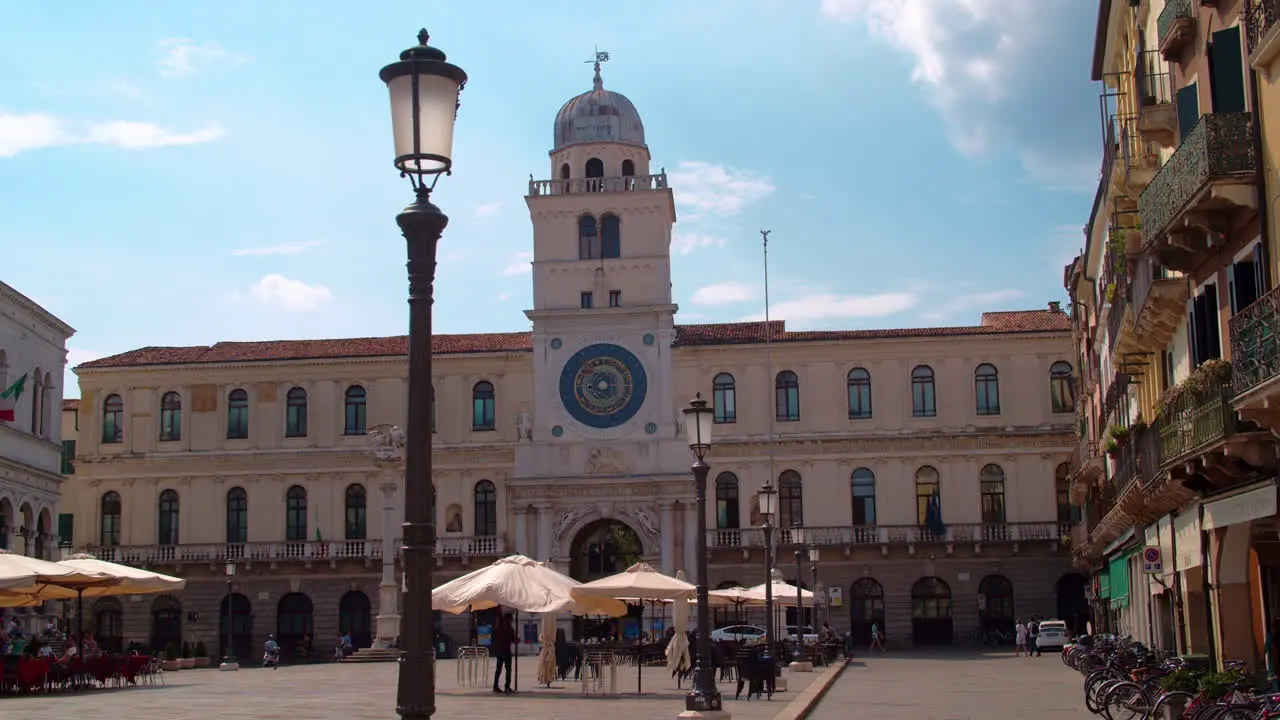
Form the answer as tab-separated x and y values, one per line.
598	116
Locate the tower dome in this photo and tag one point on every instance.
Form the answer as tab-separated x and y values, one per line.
598	116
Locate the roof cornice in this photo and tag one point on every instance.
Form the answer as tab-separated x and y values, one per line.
8	292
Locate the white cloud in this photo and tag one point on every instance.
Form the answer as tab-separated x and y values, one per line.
488	209
519	264
812	308
278	292
503	297
968	302
293	248
724	293
21	132
686	242
182	55
702	188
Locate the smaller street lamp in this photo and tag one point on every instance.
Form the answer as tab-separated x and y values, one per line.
704	697
768	506
229	650
797	537
813	571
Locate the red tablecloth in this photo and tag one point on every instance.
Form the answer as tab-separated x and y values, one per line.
32	672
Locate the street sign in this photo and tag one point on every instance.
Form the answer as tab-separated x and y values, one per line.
1151	563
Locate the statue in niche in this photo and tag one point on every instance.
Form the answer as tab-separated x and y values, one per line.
757	519
524	425
648	523
454	522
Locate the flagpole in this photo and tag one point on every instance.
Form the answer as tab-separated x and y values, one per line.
770	621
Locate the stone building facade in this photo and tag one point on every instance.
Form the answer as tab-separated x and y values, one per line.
564	442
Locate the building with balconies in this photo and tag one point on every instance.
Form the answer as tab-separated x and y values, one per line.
929	465
1172	468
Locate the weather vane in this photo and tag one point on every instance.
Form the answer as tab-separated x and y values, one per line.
601	56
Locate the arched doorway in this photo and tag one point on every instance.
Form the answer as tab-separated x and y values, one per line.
354	617
108	625
166	624
1073	602
602	548
995	604
931	612
866	608
294	625
240	629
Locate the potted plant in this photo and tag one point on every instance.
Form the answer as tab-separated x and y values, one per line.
1111	448
170	662
1215	685
202	655
187	661
1119	433
1180	681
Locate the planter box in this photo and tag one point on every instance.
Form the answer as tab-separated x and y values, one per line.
1173	709
186	663
170	665
203	662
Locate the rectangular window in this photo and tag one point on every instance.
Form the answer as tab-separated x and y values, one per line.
68	457
922	399
587	301
615	298
1226	71
1206	343
66	528
295	424
1243	284
1188	110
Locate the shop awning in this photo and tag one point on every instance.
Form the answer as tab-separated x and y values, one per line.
1118	570
1241	508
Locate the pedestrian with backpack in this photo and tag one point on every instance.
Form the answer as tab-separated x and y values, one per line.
1033	635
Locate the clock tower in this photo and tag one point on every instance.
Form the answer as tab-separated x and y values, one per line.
605	422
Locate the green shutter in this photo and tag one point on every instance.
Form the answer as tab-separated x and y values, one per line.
68	455
66	528
1119	572
1104	584
1226	71
1188	110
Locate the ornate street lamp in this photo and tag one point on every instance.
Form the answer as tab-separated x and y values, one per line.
797	537
424	103
768	506
813	570
229	650
705	697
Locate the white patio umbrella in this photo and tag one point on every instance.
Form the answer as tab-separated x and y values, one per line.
132	580
784	594
25	579
523	584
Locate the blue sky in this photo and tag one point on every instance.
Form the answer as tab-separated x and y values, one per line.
184	173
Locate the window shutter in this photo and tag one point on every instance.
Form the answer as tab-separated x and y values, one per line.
1188	110
1260	271
1233	289
1193	330
1226	72
66	528
1213	346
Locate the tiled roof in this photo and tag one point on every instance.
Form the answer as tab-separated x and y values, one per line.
71	403
1027	321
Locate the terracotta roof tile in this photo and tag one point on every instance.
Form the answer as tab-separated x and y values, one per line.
71	403
1027	321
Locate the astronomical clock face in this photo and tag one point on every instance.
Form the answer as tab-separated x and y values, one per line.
603	385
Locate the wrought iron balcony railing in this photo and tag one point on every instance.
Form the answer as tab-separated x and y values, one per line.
1219	146
300	551
1175	13
626	183
1152	78
1195	421
1255	354
843	536
1116	391
1259	16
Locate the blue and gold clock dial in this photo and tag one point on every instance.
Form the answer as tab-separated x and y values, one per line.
603	385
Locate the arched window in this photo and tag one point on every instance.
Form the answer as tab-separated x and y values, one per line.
486	498
628	168
787	390
995	609
1062	388
355	407
108	624
295	417
610	236
724	399
986	386
790	500
595	168
991	480
237	415
564	171
109	535
168	519
859	394
113	419
237	515
924	402
295	514
926	493
1067	512
727	501
864	496
170	417
482	406
588	239
356	512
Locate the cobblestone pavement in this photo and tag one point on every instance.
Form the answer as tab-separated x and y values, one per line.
360	691
954	686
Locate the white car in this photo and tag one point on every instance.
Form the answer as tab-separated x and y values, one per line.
738	633
1053	634
810	637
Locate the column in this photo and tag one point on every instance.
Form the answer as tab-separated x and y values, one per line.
544	531
522	530
387	622
668	521
691	541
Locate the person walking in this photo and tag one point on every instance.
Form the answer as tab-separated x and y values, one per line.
1033	636
877	640
504	640
1019	638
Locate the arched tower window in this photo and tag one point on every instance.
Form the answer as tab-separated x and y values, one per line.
610	236
564	171
595	168
628	168
588	239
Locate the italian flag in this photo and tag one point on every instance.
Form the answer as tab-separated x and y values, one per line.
9	399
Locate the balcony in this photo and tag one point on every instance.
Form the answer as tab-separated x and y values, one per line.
1175	28
894	535
1159	304
1157	117
1255	360
1086	467
307	552
1141	156
1117	390
575	186
1201	192
1201	438
1262	35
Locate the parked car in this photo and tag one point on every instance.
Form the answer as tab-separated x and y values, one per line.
738	633
1053	635
810	635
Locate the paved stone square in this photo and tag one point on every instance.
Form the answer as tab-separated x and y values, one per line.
954	685
358	691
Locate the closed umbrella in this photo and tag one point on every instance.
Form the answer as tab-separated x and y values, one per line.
547	655
678	649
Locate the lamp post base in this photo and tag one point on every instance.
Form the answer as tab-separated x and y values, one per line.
800	666
709	714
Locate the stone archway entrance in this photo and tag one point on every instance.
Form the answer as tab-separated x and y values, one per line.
600	549
1073	602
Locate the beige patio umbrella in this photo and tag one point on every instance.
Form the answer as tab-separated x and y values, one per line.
678	649
547	655
132	580
25	579
784	594
523	584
